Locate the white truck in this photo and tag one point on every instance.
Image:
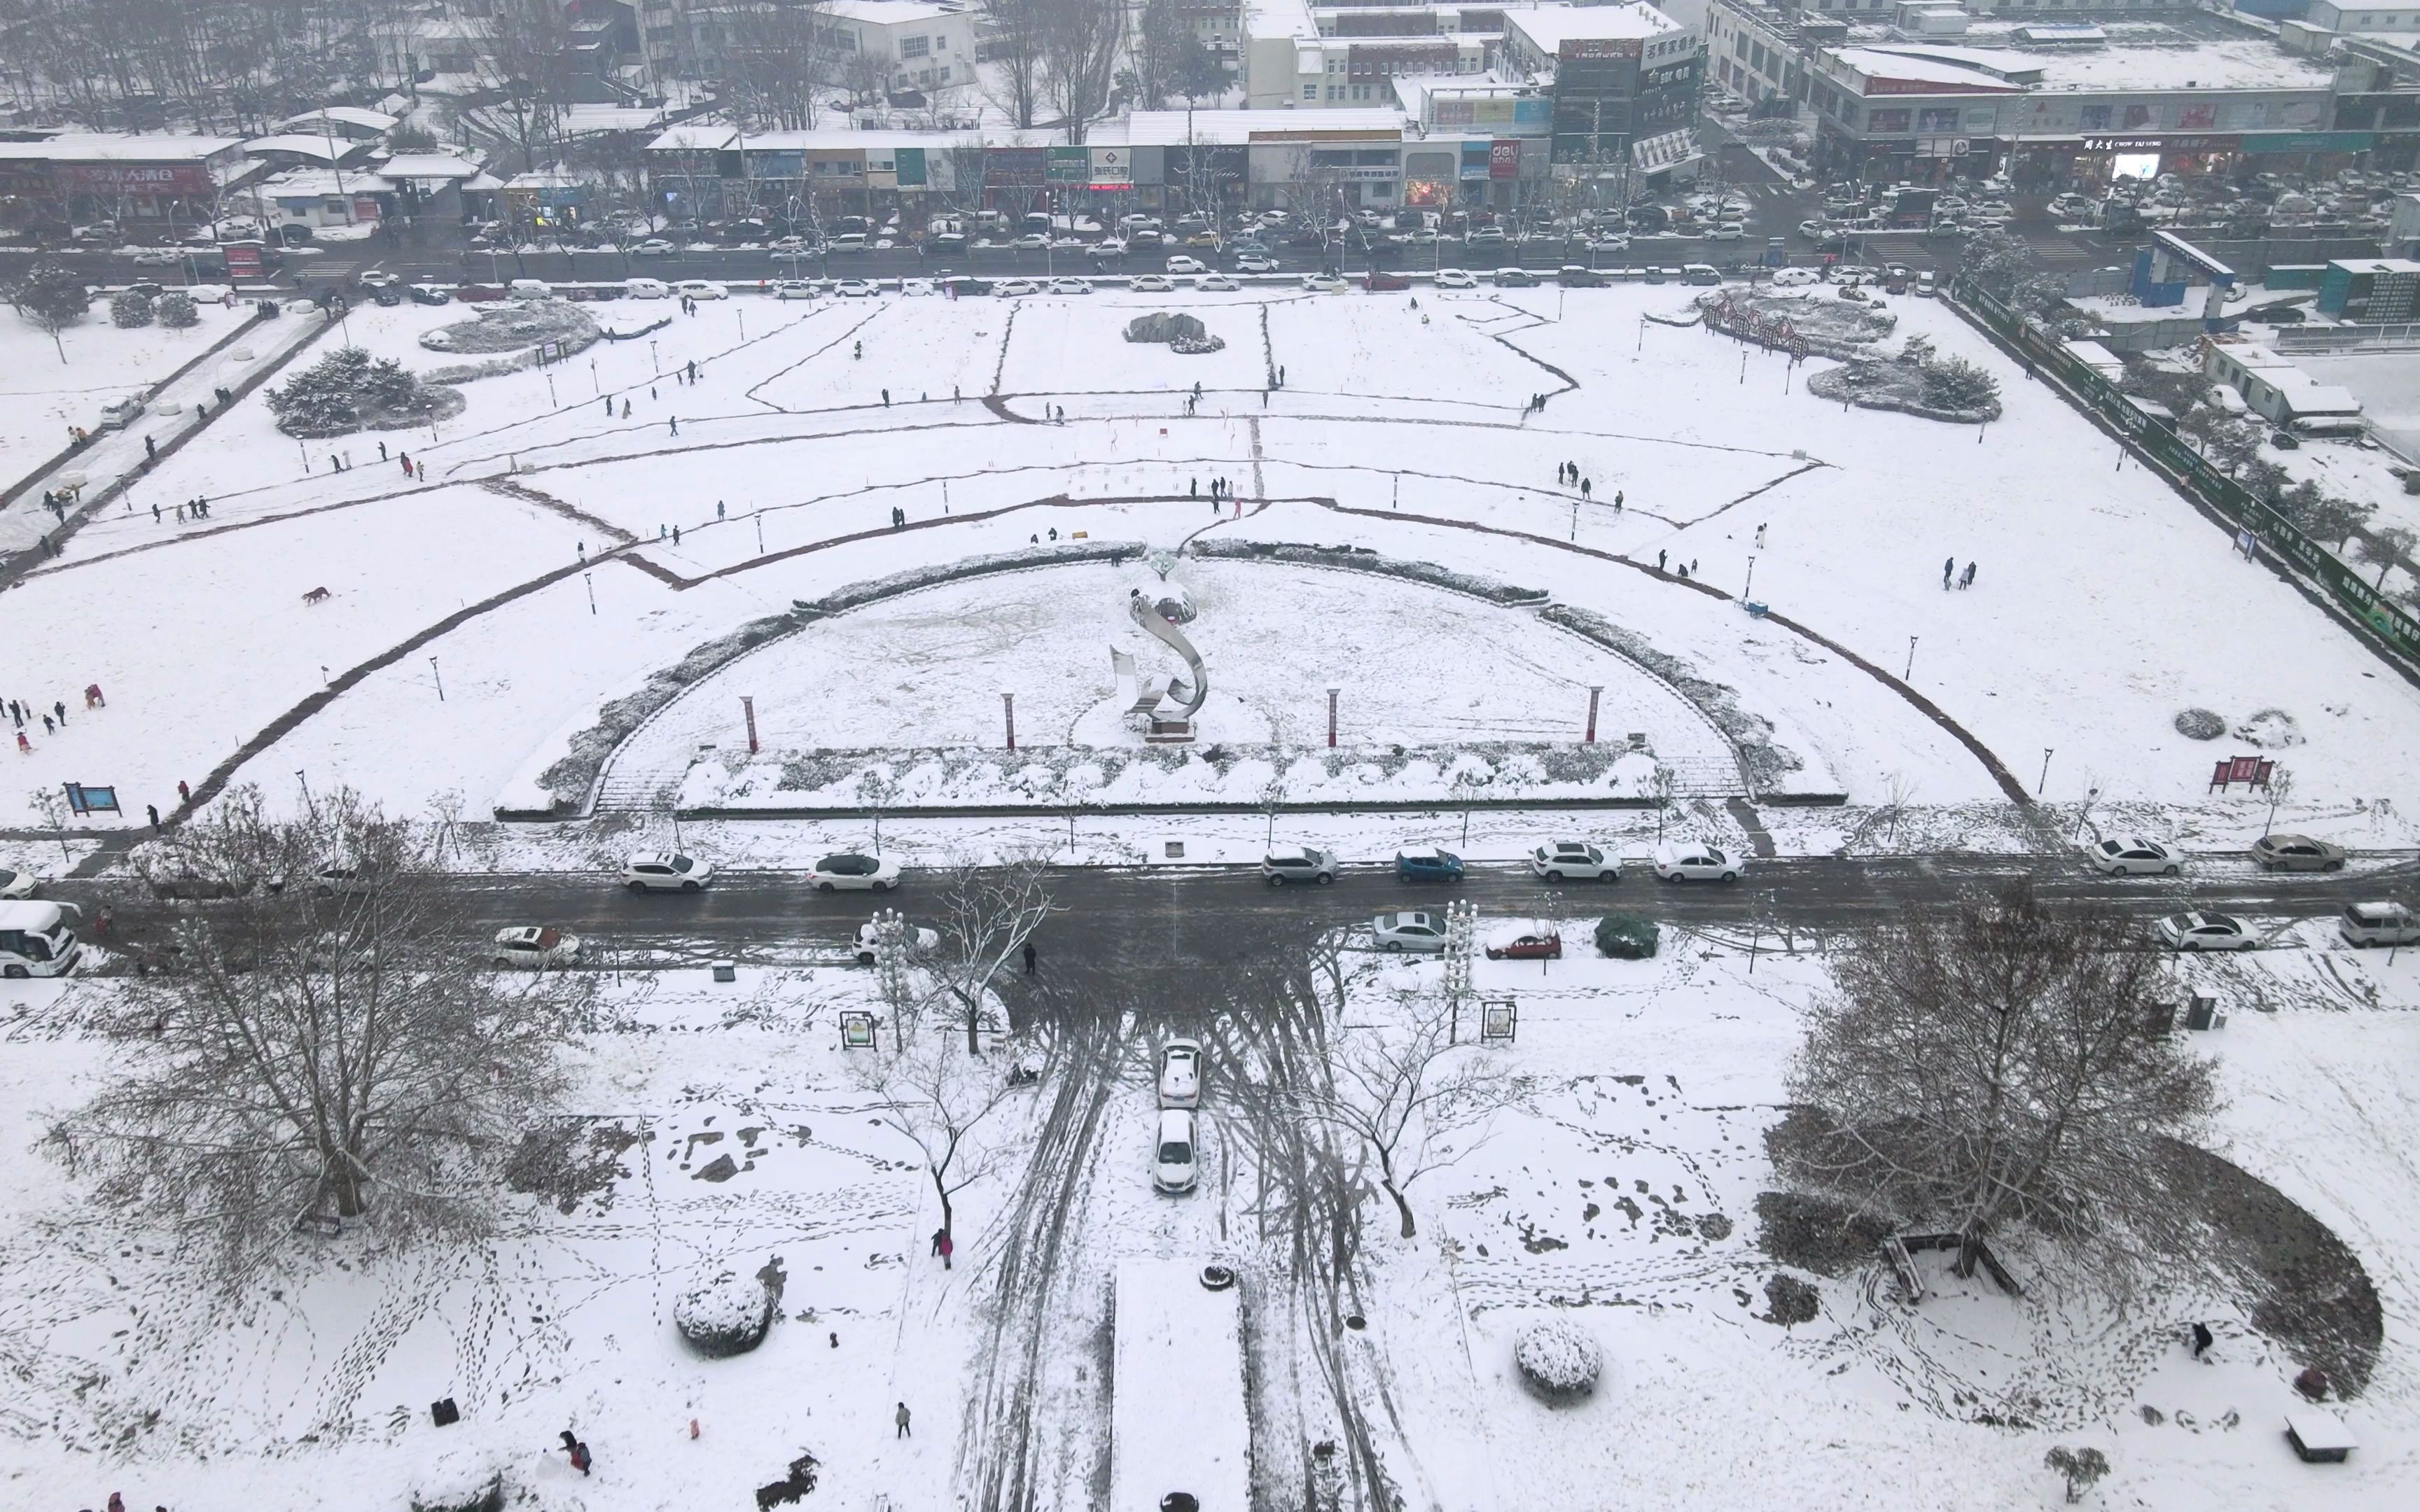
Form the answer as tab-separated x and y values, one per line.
1178	1422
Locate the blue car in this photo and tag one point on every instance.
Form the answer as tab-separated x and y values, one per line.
1426	863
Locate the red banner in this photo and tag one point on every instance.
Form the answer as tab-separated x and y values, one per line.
134	179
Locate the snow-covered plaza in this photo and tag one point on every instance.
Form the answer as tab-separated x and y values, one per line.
734	570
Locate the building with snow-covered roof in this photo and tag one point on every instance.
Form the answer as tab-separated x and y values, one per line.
135	179
342	122
315	197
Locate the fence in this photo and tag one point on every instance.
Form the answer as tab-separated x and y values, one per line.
2402	336
2399	630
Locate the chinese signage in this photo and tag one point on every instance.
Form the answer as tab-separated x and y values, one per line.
90	800
1474	159
909	164
2310	142
1112	168
1504	160
1070	165
134	179
1503	111
1600	47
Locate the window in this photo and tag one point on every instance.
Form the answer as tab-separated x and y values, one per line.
1310	91
915	47
941	44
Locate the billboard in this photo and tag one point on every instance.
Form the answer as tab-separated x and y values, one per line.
1504	158
1601	47
1070	165
1112	168
1475	160
134	179
908	164
1530	113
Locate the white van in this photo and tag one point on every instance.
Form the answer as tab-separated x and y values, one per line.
647	288
38	939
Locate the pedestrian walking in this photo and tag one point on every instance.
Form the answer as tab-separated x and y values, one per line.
675	424
60	708
1759	536
381	451
151	808
718	509
1967	580
692	371
609	407
1659	562
886	398
1193	487
420	471
651	392
626	408
102	921
2202	1340
155	513
1948	566
1693	566
859	353
151	449
1584	488
899	1423
48	727
117	1501
25	747
184	794
675	536
204	500
406	462
942	1245
1617	500
1029	958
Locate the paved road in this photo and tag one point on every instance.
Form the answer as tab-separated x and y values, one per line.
1211	915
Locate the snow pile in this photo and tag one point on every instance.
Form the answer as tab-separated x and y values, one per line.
1182	333
2201	724
1558	1358
725	1316
459	1480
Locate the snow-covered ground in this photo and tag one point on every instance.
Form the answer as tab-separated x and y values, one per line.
40	397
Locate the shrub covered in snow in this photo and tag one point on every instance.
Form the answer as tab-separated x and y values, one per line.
512	326
348	390
1625	937
176	310
1558	1358
130	311
2201	724
1789	1300
1953	383
727	1315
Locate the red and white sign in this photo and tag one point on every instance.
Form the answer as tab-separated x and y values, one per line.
1504	160
134	179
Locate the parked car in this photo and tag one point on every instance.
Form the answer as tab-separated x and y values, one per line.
373	278
1171	1168
432	293
654	247
2378	923
1011	288
1408	932
701	288
1070	286
917	288
1256	262
1032	241
338	880
1180	1073
1572	275
2206	932
1726	231
1455	278
795	289
534	947
1795	277
967	288
853	288
1614	242
1150	284
1520	943
1576	859
119	413
1514	278
15	885
2297	853
666	873
2131	856
1298	863
1426	863
1696	861
1377	282
1182	264
530	288
920	941
1325	283
647	288
1217	284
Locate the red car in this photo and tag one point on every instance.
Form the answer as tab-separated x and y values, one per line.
1529	946
1378	283
479	293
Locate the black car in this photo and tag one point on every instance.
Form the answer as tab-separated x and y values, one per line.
947	241
386	294
1580	278
431	294
968	287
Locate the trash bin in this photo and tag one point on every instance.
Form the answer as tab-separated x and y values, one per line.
726	971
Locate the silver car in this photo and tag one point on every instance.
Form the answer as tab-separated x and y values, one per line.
1421	931
2131	856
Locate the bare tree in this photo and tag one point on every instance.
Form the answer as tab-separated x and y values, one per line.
1990	1062
53	806
1081	42
1013	38
522	50
938	1094
776	55
987	915
316	1054
1415	1099
2281	788
1663	786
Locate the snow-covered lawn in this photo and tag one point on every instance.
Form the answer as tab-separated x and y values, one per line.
40	397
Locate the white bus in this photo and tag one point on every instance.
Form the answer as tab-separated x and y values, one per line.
38	939
1179	1432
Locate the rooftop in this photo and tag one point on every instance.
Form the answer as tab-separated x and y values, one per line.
96	146
427	165
2146	57
369	121
1215	128
1551	26
311	183
301	146
886	12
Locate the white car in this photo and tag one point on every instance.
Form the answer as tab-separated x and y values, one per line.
1182	264
916	287
2376	923
119	413
1325	283
2206	932
784	246
865	873
1218	284
1618	242
1171	1167
1151	283
1030	241
1070	286
1795	277
1408	932
530	288
789	288
1015	287
1679	860
533	947
666	873
647	288
1180	1074
1255	262
853	288
2131	856
653	247
14	885
920	941
1728	231
1576	859
699	288
1455	278
374	278
1298	863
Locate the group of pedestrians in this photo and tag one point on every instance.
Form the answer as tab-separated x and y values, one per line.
22	715
1568	475
1950	571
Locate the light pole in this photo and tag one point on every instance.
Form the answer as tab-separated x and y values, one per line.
1751	578
1911	660
313	808
441	679
590	578
2045	773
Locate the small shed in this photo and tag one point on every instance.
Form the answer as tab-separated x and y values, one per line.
2319	1436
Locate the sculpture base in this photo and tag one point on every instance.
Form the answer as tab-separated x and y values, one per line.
1169	732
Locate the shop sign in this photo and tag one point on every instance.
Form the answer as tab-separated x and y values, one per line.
2160	143
1504	160
1474	157
1070	165
1112	168
115	179
2310	142
908	163
1600	47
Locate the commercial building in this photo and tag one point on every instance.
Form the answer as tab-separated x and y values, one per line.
152	181
1618	75
2371	290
